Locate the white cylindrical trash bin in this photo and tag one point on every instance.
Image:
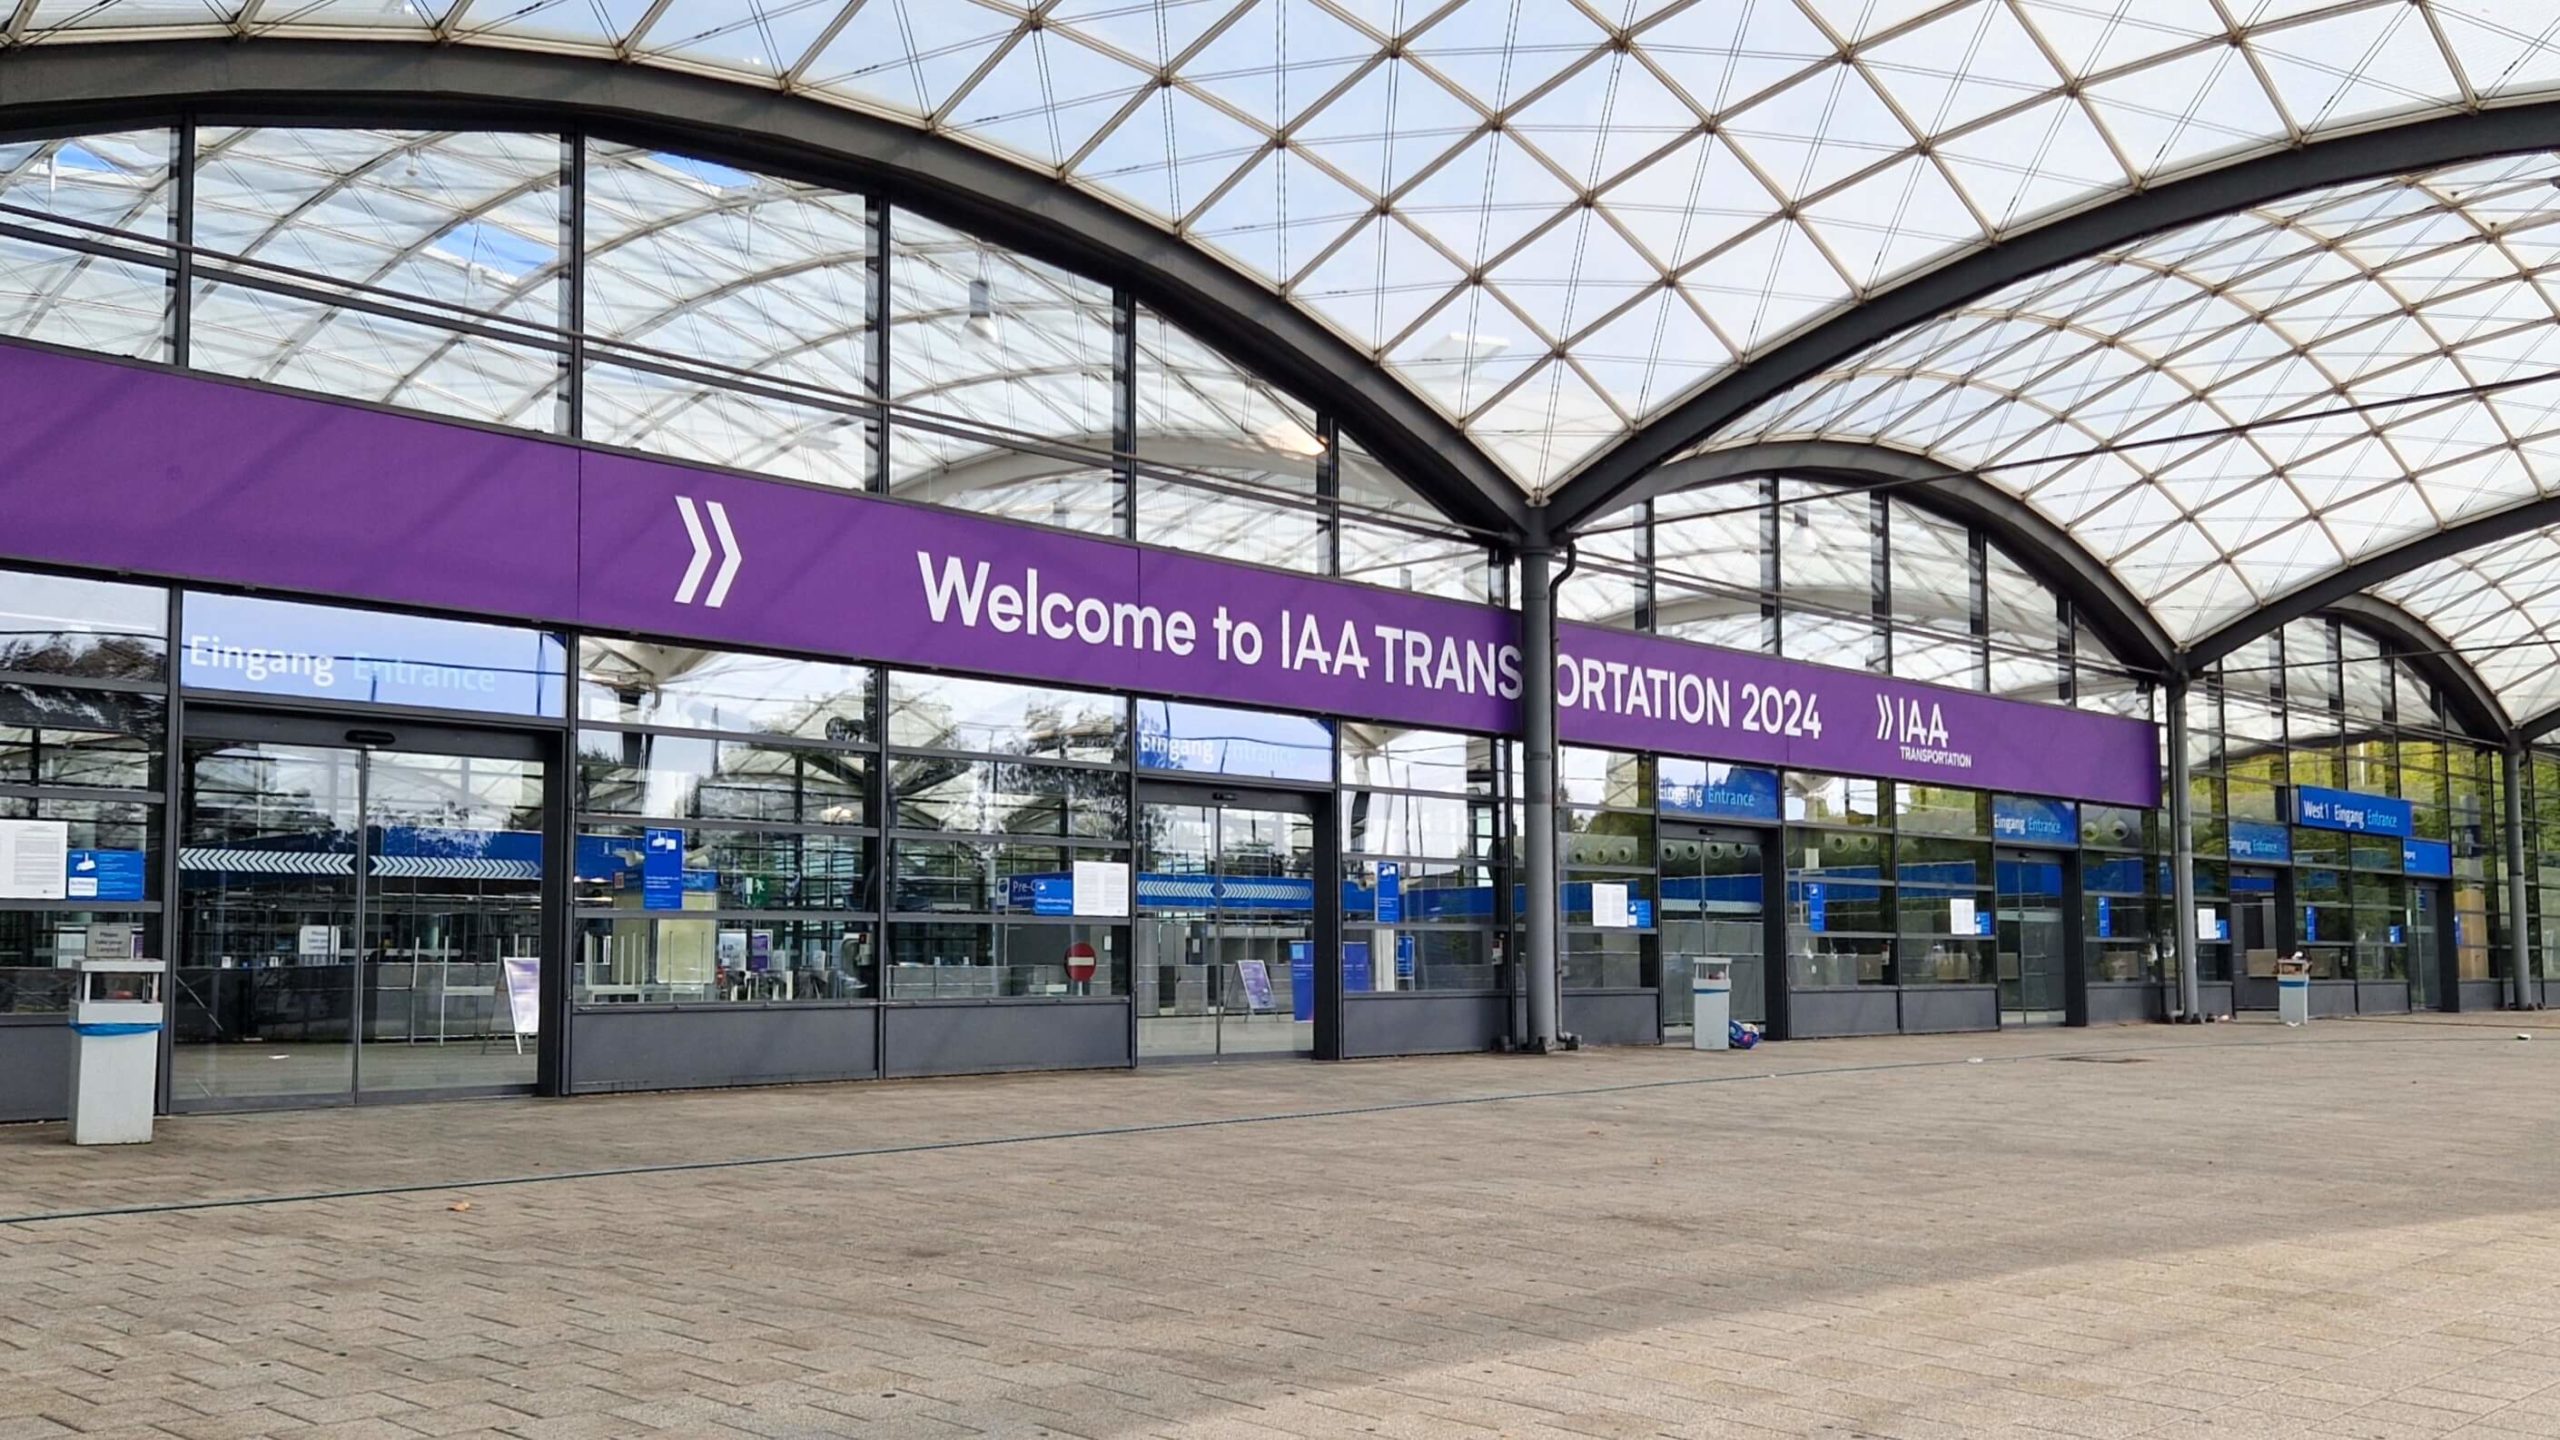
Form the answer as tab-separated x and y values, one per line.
1711	1003
115	1051
2293	990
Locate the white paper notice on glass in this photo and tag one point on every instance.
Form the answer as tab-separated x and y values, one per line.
2208	924
317	942
1960	916
1609	907
1102	888
35	858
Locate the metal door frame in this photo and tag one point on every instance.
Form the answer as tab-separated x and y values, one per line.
2075	945
367	732
1773	938
1318	805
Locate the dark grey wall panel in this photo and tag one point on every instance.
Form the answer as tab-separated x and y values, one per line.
672	1049
1941	1009
1825	1014
1613	1017
2484	994
2255	992
2213	997
2382	997
1418	1022
35	1071
979	1037
2126	1003
2334	997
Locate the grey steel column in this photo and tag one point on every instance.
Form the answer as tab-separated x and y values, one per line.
2182	852
1538	782
2519	926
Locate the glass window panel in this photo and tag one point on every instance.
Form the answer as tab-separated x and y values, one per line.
1008	797
1931	564
2025	631
1940	809
1618	779
945	960
638	682
981	334
1607	838
1813	799
88	302
41	951
94	738
975	876
1376	822
690	777
1608	583
2365	679
1391	536
1602	960
749	869
710	959
946	712
1177	736
468	218
56	625
1712	565
742	272
1203	416
1826	573
1400	759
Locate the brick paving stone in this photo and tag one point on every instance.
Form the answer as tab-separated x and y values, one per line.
2252	1232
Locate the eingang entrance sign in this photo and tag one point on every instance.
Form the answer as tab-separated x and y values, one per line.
131	468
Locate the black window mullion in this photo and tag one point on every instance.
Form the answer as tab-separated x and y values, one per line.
182	225
573	284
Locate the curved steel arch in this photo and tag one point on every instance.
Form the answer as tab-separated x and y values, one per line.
1610	478
2473	703
54	88
2337	587
2111	609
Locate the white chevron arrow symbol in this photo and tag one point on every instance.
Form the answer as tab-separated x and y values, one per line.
703	549
728	564
1884	717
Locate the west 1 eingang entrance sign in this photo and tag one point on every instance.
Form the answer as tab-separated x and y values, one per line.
132	468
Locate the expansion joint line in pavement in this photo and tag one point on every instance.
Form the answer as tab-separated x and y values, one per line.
1105	1132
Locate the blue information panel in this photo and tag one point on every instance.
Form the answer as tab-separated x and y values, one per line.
1042	894
1707	790
2106	919
324	652
2256	840
2426	857
2021	820
1814	912
1640	913
2349	811
662	870
104	875
1390	893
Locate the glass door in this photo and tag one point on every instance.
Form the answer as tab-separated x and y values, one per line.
2031	927
1711	899
1226	901
355	921
2425	948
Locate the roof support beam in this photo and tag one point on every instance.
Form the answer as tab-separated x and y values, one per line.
2411	639
1609	479
2103	601
51	89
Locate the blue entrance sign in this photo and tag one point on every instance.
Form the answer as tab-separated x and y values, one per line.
103	875
1390	893
1302	980
662	870
1041	894
2021	820
368	657
1707	790
2256	840
2426	857
2351	812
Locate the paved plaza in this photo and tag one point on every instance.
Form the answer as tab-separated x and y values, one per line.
2233	1231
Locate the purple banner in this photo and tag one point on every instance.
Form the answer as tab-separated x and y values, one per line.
1640	692
130	468
671	550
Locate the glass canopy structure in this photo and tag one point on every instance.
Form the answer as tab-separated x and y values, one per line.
2246	305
